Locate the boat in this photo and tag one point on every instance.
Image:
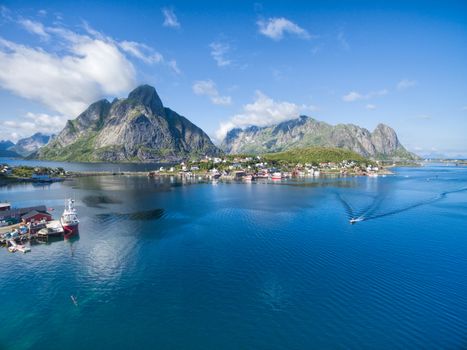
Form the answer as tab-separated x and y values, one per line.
53	229
14	247
248	177
276	176
22	248
69	218
262	175
354	220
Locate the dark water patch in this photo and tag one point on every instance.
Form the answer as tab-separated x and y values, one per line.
146	215
96	201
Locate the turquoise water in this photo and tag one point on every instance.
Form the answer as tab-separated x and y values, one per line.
169	265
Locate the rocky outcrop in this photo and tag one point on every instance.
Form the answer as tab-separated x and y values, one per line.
305	131
137	128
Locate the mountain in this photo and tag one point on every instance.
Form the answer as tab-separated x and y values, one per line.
5	144
5	151
305	131
137	128
31	144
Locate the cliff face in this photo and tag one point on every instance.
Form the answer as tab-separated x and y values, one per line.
305	132
138	128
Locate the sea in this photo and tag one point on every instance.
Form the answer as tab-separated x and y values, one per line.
170	263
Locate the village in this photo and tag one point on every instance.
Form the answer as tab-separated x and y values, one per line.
30	174
256	167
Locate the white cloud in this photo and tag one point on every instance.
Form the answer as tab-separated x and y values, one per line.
30	124
170	19
405	84
81	68
173	65
208	88
262	112
353	96
218	53
141	51
343	40
370	107
423	117
275	28
34	28
66	84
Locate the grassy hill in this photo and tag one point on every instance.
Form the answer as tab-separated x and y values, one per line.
315	155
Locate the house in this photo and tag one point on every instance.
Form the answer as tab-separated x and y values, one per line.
36	216
6	170
16	214
41	177
239	174
5	206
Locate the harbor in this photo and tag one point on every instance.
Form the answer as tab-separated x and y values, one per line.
19	226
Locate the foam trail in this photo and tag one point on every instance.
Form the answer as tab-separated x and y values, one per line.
430	201
373	207
347	207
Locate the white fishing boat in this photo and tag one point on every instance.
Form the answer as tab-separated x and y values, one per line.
276	176
69	218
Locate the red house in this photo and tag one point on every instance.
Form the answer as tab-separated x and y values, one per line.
36	216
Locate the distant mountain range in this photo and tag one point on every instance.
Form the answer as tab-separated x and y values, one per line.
137	128
29	145
5	146
24	147
304	131
140	129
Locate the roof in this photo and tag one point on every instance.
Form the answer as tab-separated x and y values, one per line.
33	213
16	212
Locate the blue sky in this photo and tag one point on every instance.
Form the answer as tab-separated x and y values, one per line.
226	64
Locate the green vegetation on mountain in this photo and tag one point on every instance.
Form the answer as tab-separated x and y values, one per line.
315	155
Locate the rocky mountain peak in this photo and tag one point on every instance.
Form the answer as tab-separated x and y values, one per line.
305	132
137	128
147	96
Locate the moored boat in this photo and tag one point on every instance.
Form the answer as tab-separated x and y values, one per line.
69	218
276	176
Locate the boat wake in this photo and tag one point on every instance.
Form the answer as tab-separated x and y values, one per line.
369	213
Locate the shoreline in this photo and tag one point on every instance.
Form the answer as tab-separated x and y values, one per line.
204	175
